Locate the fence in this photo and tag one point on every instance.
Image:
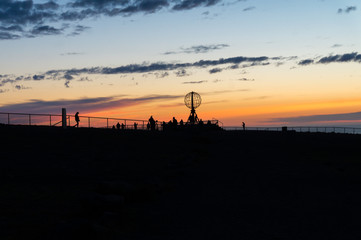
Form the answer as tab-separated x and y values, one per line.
85	121
56	120
349	130
103	122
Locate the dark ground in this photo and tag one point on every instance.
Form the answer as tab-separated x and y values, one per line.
105	184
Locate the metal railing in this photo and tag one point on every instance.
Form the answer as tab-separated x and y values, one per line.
104	122
56	120
314	129
85	121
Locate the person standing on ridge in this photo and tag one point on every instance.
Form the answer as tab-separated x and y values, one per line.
244	126
77	120
152	123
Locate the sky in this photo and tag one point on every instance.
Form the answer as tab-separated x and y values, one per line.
266	63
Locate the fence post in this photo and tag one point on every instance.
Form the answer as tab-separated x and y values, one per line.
107	122
29	119
63	117
88	122
50	120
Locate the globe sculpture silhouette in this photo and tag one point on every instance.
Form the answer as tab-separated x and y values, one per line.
193	100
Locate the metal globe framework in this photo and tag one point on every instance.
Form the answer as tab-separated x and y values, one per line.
192	100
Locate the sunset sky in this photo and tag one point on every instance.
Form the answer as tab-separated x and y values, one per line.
263	62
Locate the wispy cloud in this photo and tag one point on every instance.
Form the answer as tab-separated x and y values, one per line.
248	9
338	58
198	49
246	79
336	45
83	105
355	116
160	69
347	9
195	82
21	87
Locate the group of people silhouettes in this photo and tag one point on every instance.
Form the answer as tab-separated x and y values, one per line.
151	125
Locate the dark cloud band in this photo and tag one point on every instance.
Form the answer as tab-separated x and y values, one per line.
338	58
32	19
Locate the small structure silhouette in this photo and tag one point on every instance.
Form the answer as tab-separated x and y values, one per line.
244	126
77	120
118	126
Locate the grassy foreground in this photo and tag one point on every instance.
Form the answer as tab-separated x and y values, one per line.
106	184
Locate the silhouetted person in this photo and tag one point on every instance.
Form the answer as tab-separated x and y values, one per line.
200	123
148	126
152	123
113	127
123	126
244	126
77	120
209	123
181	123
118	126
163	125
175	122
135	126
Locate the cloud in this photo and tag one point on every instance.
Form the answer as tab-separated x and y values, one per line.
215	70
189	4
194	82
336	45
78	30
46	30
8	36
71	53
224	91
38	77
66	84
83	105
355	116
3	90
338	58
161	74
181	73
34	19
248	9
347	9
306	62
159	69
21	87
256	98
198	49
246	79
161	66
